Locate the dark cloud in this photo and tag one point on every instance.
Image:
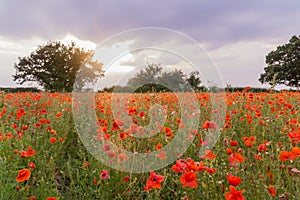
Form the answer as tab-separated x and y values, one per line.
214	22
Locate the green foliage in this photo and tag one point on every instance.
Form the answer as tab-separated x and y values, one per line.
283	65
154	79
19	89
194	80
55	67
150	74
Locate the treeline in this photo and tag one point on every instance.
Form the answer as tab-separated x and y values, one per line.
154	79
158	88
19	89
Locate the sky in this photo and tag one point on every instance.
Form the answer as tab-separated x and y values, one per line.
236	35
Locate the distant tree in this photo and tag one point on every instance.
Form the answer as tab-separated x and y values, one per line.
173	80
55	66
154	79
283	65
194	81
146	76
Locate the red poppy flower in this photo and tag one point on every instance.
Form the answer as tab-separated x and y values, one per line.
23	175
126	178
201	167
294	136
59	114
209	155
233	180
234	194
191	164
29	152
262	147
296	150
208	124
235	158
188	179
158	146
233	143
272	191
51	198
154	181
211	170
258	157
53	140
31	165
179	166
229	151
162	155
104	174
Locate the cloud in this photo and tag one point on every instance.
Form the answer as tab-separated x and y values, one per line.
215	23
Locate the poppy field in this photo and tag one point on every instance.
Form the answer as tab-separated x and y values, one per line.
255	156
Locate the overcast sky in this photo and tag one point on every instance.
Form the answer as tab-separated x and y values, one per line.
237	35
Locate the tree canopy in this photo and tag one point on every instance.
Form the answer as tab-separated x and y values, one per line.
55	66
154	79
283	65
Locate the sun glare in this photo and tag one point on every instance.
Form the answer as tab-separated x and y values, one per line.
85	44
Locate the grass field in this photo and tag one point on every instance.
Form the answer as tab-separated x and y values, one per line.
256	155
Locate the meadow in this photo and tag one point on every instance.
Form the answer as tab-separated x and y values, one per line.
256	155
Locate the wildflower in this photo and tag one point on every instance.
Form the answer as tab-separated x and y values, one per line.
229	151
53	132
262	147
294	136
104	174
235	158
201	167
233	180
188	179
95	181
31	165
168	131
51	198
158	146
258	157
234	194
23	175
191	164
208	124
123	135
126	178
272	191
53	140
154	181
59	114
28	153
24	128
209	155
18	187
210	170
86	164
233	143
179	166
162	155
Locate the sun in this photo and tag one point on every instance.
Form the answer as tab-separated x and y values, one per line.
85	44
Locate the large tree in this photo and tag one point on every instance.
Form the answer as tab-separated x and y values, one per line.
283	65
56	65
